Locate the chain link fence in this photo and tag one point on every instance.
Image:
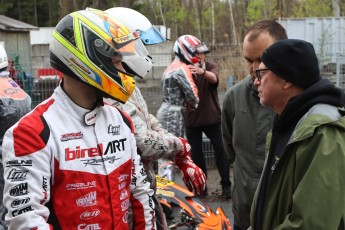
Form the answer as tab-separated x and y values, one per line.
42	80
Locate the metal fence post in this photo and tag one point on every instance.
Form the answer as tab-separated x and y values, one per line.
339	72
337	69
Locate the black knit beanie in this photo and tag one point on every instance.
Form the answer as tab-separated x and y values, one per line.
294	60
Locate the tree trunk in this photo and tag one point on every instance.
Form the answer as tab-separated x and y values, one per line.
35	12
197	15
213	26
336	8
63	8
232	23
161	12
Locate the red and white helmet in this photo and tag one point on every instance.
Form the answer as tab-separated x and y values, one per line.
186	47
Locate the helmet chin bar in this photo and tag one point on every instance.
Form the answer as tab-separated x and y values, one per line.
129	70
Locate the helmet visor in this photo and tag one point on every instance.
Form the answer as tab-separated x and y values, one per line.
151	36
133	50
136	58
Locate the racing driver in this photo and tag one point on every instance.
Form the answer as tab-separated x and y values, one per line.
72	162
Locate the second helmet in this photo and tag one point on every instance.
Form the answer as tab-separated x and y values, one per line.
149	35
187	46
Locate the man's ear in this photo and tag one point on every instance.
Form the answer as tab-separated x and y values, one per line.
287	85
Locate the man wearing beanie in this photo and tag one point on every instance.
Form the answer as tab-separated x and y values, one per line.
302	185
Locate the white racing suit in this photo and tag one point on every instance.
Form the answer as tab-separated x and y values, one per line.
178	89
70	168
153	141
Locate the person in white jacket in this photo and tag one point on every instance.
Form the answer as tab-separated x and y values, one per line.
72	163
153	141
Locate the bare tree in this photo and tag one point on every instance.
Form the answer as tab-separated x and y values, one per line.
232	23
336	8
63	8
213	26
197	8
35	12
161	11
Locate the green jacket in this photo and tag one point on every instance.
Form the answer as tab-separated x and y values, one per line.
307	188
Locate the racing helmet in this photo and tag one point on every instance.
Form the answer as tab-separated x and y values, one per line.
136	21
3	59
149	35
186	47
84	45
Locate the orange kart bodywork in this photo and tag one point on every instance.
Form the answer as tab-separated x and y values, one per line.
184	210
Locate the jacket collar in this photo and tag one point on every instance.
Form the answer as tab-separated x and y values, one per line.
83	115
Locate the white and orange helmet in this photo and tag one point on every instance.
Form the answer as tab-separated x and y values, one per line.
84	45
149	35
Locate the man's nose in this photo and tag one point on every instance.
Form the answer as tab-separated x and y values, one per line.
256	81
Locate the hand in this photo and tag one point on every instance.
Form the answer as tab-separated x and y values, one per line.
197	70
193	177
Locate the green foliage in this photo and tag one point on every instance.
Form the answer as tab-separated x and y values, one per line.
313	8
255	10
179	15
4	7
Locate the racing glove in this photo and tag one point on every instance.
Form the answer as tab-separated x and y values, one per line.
193	177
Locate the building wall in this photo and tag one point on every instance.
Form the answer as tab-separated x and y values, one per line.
17	45
326	34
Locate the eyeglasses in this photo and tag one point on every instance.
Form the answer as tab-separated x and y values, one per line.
260	73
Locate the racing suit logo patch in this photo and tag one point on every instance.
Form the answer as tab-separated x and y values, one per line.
89	227
89	214
19	202
17	175
112	147
71	136
18	163
89	199
81	185
19	190
115	130
125	204
21	211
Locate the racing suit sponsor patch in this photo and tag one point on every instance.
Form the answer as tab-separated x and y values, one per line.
89	199
79	152
115	130
125	204
89	214
21	211
123	177
71	136
45	188
17	175
16	163
89	227
19	202
19	190
81	185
